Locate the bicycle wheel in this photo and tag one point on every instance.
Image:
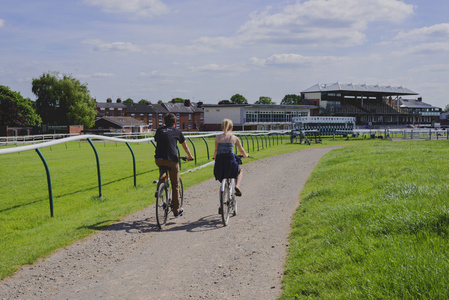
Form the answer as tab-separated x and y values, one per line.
181	193
162	206
224	202
233	199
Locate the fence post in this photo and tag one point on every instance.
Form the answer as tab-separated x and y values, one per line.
134	163
247	142
98	166
252	140
207	148
194	149
50	192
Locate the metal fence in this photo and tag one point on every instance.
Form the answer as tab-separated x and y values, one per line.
253	140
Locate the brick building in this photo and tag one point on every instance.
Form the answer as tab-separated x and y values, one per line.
189	116
110	109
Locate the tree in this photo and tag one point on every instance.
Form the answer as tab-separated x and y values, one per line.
129	100
446	109
225	102
63	100
178	100
16	110
239	99
292	99
264	100
143	101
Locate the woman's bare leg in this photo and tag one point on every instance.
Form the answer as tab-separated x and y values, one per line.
238	180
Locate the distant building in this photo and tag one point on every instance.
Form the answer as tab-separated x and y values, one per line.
150	114
122	125
110	109
254	116
371	104
418	112
189	115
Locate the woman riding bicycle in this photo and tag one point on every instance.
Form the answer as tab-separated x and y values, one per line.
226	162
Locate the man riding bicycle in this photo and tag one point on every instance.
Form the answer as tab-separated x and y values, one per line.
166	155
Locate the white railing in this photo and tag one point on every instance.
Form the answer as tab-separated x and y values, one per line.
30	139
51	141
415	133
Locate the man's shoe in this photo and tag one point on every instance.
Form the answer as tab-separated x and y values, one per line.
180	212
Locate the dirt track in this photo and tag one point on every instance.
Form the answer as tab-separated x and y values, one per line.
194	257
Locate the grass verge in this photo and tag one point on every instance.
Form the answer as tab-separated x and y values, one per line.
373	224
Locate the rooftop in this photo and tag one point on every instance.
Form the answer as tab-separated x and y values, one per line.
360	89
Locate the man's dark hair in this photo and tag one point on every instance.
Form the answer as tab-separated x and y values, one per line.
169	119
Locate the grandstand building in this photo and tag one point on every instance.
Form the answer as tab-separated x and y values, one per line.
372	105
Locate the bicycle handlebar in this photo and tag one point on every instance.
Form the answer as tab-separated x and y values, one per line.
241	156
184	158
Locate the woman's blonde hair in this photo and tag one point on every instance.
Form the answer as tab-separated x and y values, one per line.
226	125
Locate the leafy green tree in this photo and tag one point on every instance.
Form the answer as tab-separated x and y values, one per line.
225	102
143	101
16	110
129	100
178	100
264	100
292	99
239	99
160	102
63	100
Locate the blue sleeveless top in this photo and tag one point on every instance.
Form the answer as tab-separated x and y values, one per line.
223	148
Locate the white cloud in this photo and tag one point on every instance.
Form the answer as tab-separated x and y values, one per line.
315	22
294	60
439	68
425	49
96	75
141	8
103	75
113	47
193	49
153	74
217	68
435	32
2	22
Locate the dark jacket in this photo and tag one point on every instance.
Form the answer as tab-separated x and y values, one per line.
226	166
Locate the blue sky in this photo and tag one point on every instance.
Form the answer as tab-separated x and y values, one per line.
209	50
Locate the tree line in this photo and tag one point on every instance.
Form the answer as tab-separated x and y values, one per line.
63	100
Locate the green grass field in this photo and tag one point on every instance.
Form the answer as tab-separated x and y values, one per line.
27	231
373	224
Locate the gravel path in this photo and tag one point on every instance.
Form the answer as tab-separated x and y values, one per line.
194	257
